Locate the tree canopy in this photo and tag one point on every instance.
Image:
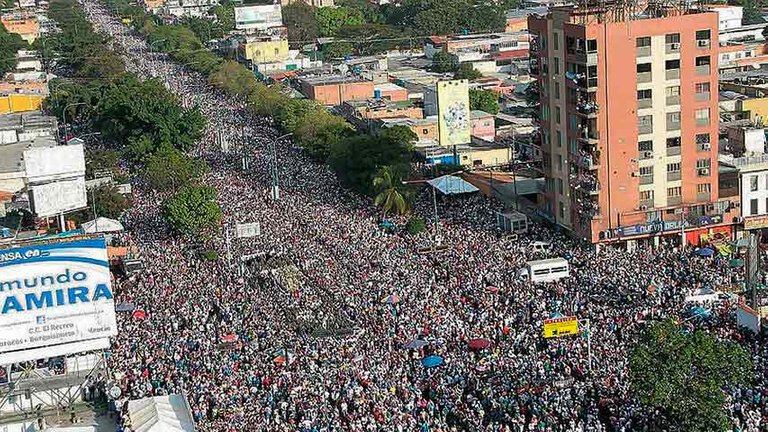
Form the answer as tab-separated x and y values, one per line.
193	209
302	25
484	100
169	169
443	17
331	19
684	374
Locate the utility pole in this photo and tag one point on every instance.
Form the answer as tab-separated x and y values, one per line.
229	247
274	170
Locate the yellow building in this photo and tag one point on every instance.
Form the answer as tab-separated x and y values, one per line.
265	51
757	107
15	103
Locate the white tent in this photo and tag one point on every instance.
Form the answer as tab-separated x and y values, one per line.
161	414
102	225
452	185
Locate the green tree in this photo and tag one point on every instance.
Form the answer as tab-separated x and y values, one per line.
444	17
9	44
370	12
109	202
98	160
484	100
193	209
300	19
442	62
415	225
235	79
331	19
388	192
170	169
204	29
467	72
225	16
337	50
372	39
683	375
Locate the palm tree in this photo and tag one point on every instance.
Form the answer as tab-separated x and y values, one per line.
388	194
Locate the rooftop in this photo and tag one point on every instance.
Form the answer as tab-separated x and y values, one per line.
12	155
475	114
331	79
27	120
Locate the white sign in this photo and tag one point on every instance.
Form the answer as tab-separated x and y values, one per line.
247	230
748	317
260	17
44	164
51	199
54	295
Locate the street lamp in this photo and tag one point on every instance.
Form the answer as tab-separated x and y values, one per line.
436	233
275	171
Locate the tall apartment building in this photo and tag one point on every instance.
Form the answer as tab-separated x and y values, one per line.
629	121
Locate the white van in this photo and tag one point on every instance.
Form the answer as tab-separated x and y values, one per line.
547	270
541	246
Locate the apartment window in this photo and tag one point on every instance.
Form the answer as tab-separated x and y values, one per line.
644	146
672	38
702	38
753	183
573	146
703	163
560	186
646	195
702	91
703	188
556	42
674	192
643	42
702	116
726	56
673	91
644	94
702	139
646	171
591	45
645	124
747	53
643	68
753	206
573	121
559	136
424	131
673	167
672	64
673	121
559	162
561	211
557	90
702	65
673	142
556	66
557	114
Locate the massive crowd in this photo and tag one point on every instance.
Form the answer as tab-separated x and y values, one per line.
309	335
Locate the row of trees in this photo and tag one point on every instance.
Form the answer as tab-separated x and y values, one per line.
141	121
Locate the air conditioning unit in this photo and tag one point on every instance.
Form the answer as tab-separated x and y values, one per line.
675	46
704	171
702	42
648	154
738	219
706	146
636	174
643	207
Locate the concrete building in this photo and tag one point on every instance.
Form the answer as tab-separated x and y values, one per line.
425	129
748	162
362	112
335	89
188	8
391	92
476	47
482	125
25	24
18	133
628	121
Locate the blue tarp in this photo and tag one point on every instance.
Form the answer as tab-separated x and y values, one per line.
451	185
432	361
705	252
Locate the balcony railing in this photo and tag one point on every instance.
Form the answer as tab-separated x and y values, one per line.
674	176
673	126
703	70
703	96
646	179
644	77
644	51
645	129
673	151
644	103
672	74
673	100
675	200
702	121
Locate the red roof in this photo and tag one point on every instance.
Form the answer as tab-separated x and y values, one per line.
511	54
5	196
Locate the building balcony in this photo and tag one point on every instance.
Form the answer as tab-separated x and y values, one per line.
672	74
673	100
672	48
673	151
701	97
644	103
703	70
676	200
646	179
644	129
674	176
702	121
646	204
585	184
587	161
703	196
644	77
586	207
587	108
673	126
644	51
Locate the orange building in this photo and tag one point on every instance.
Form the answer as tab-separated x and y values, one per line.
24	25
334	90
629	121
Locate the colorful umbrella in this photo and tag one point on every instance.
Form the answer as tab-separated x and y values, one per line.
479	343
705	252
415	344
229	338
432	361
492	289
391	299
139	314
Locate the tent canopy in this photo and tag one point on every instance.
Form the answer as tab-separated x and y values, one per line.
161	414
452	185
102	225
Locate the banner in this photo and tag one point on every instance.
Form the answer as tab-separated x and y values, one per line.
55	294
564	326
453	114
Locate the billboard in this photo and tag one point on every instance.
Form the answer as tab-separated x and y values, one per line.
51	199
453	114
54	295
561	327
258	17
43	164
247	230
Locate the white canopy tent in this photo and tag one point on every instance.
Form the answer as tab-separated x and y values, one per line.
161	414
102	225
452	185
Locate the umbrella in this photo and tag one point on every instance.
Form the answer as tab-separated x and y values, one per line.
432	361
125	307
705	252
699	311
415	344
139	314
391	299
492	289
479	344
556	315
229	338
736	262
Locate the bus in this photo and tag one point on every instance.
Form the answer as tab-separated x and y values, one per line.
546	270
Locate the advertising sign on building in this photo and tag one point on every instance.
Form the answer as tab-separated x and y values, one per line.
453	114
51	199
564	326
55	295
258	17
45	164
247	230
748	317
756	222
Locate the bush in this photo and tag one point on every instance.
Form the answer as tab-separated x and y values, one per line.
193	209
210	255
415	225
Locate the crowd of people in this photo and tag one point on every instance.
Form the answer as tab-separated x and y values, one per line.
306	327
